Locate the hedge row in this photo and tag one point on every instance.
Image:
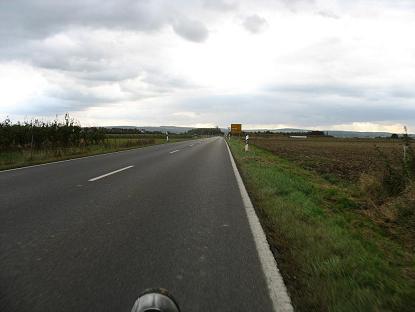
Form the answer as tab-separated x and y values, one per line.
40	134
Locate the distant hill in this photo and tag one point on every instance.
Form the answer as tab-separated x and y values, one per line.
283	130
356	134
335	133
170	129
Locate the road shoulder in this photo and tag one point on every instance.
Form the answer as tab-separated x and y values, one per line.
275	283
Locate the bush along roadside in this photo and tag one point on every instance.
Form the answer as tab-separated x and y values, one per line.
332	257
37	142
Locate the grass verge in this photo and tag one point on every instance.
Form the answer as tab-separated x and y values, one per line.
332	257
22	158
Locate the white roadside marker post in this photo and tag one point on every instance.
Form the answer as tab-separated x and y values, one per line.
167	136
246	143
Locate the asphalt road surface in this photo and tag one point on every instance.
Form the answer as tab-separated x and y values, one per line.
91	234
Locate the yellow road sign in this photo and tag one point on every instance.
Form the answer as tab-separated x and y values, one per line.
236	128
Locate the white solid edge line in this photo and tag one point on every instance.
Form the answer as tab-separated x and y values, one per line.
83	157
175	151
109	173
79	158
276	287
67	160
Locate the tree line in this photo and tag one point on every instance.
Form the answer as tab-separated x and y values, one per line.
50	134
205	131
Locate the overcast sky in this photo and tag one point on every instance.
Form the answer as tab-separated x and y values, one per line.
322	64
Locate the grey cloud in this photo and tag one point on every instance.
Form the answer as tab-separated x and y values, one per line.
320	89
22	20
297	2
89	89
108	74
157	77
64	98
254	23
359	91
220	5
306	111
80	71
58	38
328	14
40	18
48	106
405	92
79	60
297	5
190	29
80	99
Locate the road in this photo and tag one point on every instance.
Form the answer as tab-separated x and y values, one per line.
90	234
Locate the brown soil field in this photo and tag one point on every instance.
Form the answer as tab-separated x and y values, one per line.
346	159
371	171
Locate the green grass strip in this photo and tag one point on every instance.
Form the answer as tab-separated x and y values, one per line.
332	257
16	159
